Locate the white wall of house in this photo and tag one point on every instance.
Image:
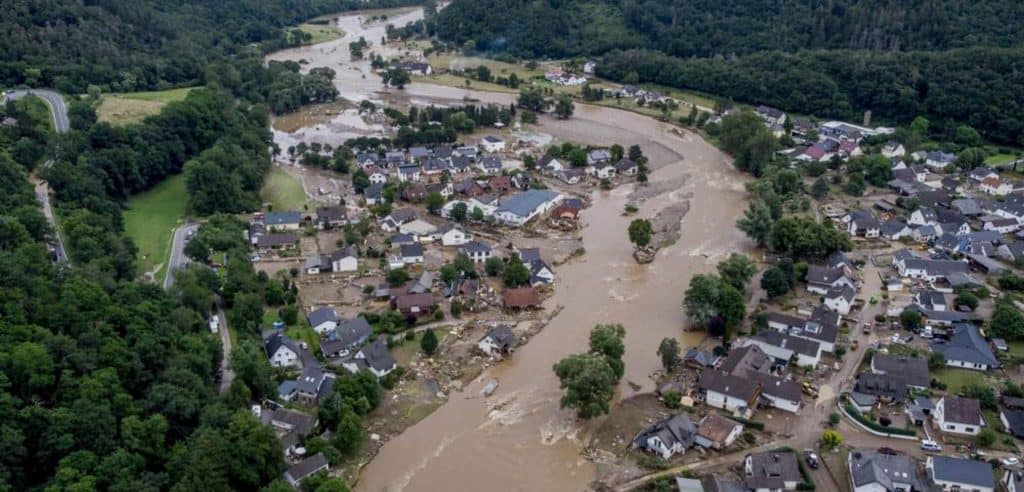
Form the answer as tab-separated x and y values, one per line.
723	401
967	365
838	305
284	357
325	327
953	427
347	264
454	237
783	404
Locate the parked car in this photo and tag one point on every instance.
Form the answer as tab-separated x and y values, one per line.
929	445
1010	461
811	458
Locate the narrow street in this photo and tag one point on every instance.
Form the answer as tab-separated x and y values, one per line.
227	376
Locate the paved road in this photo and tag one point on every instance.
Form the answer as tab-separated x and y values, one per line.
59	112
227	376
177	258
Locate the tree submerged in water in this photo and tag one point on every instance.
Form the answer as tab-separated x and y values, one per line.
589	379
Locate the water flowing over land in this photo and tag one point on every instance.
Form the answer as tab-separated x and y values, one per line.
519	439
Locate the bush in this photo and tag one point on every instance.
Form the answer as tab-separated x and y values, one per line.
749	437
986	438
671	399
833	418
652	462
753	424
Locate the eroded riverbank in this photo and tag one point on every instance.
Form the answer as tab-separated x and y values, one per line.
519	439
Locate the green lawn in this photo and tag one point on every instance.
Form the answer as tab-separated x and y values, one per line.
150	221
957	379
998	159
321	32
283	191
1016	348
123	109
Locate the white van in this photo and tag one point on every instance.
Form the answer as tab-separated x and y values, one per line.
929	445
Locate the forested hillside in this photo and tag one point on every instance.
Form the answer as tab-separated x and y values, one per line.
951	60
701	28
142	44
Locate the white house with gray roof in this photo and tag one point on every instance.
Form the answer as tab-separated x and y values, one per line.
959	474
323	320
871	471
521	208
667	437
785	347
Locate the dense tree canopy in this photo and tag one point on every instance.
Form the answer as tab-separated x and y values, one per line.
954	61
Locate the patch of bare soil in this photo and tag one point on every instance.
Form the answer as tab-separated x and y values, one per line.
651	190
310	116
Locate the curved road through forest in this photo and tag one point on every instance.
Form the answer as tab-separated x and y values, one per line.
59	112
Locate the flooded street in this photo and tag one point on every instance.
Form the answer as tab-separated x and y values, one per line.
519	439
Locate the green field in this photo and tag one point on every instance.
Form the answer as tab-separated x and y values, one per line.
957	379
150	221
321	32
123	109
283	191
999	159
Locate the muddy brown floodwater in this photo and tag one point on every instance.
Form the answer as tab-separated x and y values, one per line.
519	438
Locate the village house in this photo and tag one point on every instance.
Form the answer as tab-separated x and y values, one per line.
377	176
1013	422
305	468
283	221
771	471
323	320
667	437
411	254
1001	225
966	349
913	371
396	218
520	298
862	223
313	384
598	156
770	115
893	148
871	471
489	165
277	241
888	387
420	229
349	335
731	393
287	420
414	305
821	278
604	170
316	264
551	165
744	360
331	217
281	350
995	186
957	415
1013	480
414	193
408	173
840	299
446	190
414	67
521	208
569	176
374	194
717	432
345	259
822	327
477	251
374	358
492	144
781	393
453	234
960	474
626	167
784	347
498	340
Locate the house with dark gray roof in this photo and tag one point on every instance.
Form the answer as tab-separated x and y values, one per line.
821	278
281	350
890	387
959	415
305	468
498	340
871	471
374	358
733	393
348	335
1013	422
960	474
289	420
783	394
784	348
283	220
771	471
966	349
700	359
913	371
743	360
822	327
520	209
323	320
667	437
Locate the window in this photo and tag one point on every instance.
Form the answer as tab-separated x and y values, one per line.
968	429
950	427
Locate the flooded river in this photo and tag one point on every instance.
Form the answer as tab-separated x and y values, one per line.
519	439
